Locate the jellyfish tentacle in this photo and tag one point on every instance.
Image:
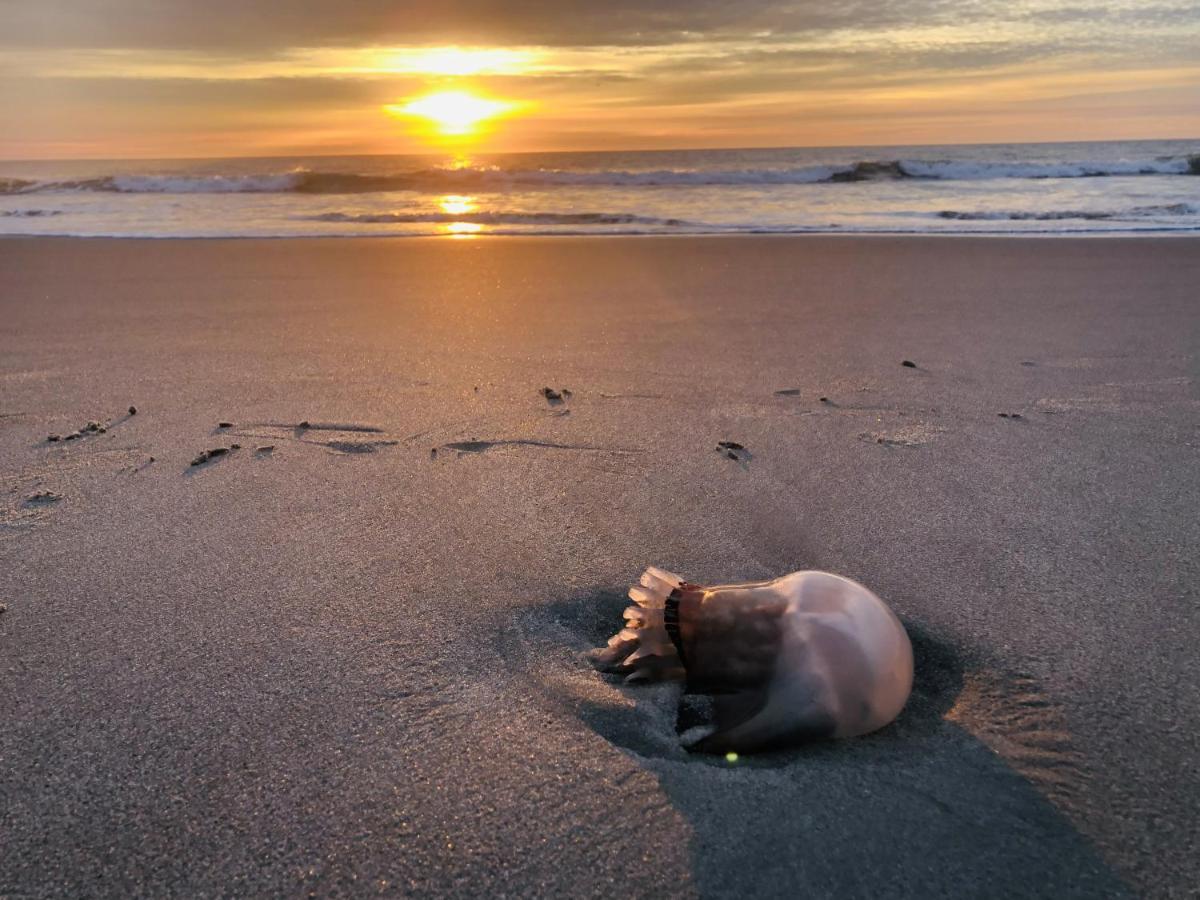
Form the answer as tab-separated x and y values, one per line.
642	650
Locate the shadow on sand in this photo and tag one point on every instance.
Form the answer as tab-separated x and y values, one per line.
922	808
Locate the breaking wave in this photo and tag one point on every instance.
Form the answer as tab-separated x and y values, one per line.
1137	212
484	178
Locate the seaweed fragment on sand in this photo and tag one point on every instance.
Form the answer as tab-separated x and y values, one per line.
91	428
733	450
209	455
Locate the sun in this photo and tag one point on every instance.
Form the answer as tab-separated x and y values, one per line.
453	113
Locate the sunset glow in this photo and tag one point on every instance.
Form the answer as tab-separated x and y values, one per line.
452	113
106	80
457	62
457	205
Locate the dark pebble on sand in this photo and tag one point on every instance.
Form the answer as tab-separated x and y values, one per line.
551	394
44	497
730	445
235	446
224	424
304	424
731	454
3	609
52	438
788	392
909	364
72	437
133	410
433	453
823	399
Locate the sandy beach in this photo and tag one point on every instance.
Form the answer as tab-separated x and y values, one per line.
345	656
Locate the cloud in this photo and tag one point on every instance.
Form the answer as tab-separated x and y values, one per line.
668	72
216	25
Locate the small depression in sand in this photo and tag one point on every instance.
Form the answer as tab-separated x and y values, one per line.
356	446
475	445
1008	712
974	779
906	436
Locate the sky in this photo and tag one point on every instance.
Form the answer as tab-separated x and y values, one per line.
184	78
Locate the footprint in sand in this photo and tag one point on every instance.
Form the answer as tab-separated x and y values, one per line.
22	509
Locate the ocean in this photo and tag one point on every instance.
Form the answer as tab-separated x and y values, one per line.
1110	187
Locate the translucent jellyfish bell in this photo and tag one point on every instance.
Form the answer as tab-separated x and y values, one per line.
806	656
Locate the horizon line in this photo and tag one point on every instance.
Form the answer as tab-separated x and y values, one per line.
15	159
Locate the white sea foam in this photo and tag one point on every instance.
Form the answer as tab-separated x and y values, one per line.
977	171
490	177
1033	188
495	218
207	184
1135	212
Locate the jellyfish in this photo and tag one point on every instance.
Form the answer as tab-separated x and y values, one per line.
806	656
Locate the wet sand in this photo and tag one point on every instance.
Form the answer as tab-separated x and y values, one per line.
350	663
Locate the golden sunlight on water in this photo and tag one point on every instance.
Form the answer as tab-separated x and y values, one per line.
457	204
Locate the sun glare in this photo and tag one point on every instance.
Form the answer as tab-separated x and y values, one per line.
457	204
453	113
